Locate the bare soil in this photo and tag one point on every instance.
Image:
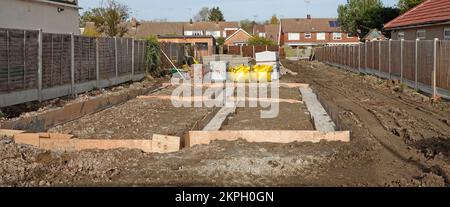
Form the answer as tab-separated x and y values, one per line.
399	138
292	116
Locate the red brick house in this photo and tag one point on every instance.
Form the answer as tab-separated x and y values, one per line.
427	21
313	31
239	37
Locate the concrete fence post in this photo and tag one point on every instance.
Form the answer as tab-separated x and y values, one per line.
267	48
116	58
433	82
72	62
416	82
390	58
39	79
8	61
132	58
240	48
401	60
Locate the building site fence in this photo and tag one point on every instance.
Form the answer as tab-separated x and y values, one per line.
249	51
422	64
37	66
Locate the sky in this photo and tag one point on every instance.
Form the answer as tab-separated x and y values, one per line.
233	10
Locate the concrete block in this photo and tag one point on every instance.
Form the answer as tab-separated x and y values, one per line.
267	56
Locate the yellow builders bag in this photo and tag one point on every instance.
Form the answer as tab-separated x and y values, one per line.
240	74
261	73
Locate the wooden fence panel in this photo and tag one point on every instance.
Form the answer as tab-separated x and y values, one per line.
85	59
425	61
396	57
443	66
409	60
384	56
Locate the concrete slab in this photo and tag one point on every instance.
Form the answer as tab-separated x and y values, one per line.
322	121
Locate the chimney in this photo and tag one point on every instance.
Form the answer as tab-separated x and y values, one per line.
308	16
191	22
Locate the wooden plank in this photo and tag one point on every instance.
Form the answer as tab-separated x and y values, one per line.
9	132
165	144
205	137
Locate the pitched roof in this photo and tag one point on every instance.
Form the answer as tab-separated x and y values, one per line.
209	26
310	25
259	28
238	31
430	11
157	28
272	31
374	34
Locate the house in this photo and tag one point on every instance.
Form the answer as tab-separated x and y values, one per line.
216	29
427	21
374	35
269	31
52	16
313	31
239	37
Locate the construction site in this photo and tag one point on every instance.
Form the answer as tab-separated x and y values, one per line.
130	111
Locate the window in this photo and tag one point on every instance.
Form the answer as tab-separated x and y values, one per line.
349	35
215	34
337	36
447	34
321	36
262	34
193	33
401	35
293	36
421	34
308	35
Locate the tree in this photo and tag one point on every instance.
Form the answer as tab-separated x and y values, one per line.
216	15
406	5
220	41
109	18
357	17
274	19
91	32
153	58
260	41
202	15
247	25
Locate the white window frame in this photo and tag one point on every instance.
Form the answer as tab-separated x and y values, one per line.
337	36
321	36
308	35
424	34
401	35
262	34
215	34
446	37
293	36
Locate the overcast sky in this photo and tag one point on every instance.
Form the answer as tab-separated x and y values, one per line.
234	10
